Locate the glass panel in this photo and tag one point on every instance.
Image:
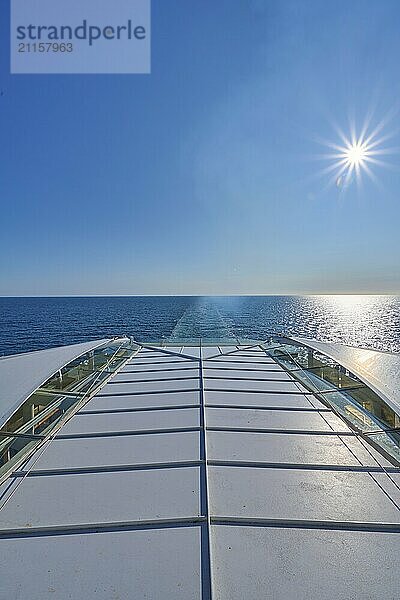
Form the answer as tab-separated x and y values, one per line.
389	442
335	376
11	450
196	341
326	378
319	371
372	403
356	402
40	407
352	412
59	395
286	354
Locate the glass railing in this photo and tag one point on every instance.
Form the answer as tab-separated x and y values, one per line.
68	388
337	387
202	341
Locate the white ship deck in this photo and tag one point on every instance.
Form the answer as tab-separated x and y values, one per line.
203	473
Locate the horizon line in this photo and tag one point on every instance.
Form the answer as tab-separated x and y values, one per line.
197	295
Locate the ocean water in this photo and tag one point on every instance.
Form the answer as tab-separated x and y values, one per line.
35	323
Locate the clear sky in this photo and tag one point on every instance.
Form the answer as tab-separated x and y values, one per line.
206	176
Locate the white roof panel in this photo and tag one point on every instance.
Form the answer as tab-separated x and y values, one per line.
153	564
305	564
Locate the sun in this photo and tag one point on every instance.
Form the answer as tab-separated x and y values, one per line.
357	153
353	158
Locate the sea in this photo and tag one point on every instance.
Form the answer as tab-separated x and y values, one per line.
36	323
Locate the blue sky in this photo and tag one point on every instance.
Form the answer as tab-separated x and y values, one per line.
205	176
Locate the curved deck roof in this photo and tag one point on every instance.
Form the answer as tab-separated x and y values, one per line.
22	374
200	474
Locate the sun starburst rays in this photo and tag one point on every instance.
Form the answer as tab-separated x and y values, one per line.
358	153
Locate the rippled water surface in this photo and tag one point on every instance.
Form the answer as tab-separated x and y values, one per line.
34	323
